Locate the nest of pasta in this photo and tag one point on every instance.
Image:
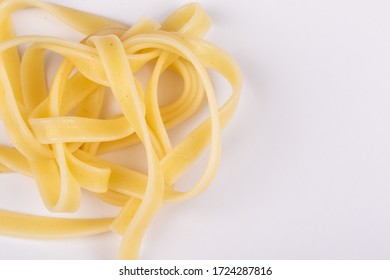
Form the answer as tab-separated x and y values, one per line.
58	131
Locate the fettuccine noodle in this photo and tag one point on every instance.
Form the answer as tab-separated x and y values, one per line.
58	133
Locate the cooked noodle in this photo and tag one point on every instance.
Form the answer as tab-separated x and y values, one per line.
57	132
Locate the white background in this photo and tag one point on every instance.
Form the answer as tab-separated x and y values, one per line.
305	164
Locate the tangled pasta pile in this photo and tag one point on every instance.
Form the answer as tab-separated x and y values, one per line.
58	131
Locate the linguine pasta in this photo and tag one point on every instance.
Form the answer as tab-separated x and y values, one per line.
58	132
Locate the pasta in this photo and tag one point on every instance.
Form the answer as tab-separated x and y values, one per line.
58	132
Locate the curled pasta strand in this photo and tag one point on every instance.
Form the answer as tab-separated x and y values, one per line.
59	129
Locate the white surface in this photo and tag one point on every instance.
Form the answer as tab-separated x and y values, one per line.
305	163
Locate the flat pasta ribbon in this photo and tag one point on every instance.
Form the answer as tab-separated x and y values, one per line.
58	132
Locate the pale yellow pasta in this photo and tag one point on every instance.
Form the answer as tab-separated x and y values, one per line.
58	133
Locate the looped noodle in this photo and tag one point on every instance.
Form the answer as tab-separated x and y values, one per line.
58	132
